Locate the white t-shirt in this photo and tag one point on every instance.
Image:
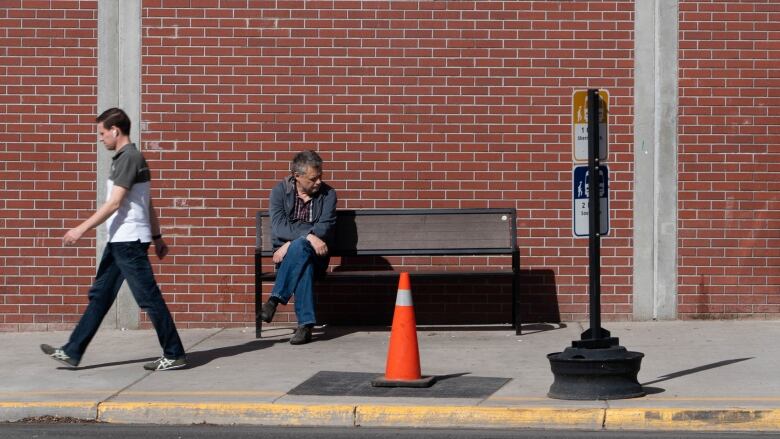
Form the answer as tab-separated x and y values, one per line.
131	221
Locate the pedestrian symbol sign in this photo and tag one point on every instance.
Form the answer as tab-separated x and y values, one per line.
580	124
580	194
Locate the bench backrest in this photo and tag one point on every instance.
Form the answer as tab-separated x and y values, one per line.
386	232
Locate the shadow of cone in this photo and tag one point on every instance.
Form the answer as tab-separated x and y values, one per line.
403	356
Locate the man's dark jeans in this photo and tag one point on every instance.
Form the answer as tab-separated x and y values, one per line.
296	275
125	261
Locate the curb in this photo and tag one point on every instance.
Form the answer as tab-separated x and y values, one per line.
478	417
227	413
349	415
370	415
696	419
15	411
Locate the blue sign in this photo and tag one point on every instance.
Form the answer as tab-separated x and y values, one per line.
580	195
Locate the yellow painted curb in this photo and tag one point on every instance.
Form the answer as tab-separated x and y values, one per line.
469	416
16	410
226	413
42	404
347	415
735	419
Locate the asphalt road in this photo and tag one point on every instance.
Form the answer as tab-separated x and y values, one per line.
89	431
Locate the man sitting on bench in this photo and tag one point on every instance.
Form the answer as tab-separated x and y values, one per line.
303	223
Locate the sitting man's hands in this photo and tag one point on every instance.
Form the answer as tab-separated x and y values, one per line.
320	248
281	252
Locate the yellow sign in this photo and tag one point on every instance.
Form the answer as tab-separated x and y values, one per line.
579	118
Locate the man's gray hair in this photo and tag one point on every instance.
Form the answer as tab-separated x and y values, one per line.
306	159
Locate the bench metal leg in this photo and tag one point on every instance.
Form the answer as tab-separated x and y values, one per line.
258	320
258	296
515	285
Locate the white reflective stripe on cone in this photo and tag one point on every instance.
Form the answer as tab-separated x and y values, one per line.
404	298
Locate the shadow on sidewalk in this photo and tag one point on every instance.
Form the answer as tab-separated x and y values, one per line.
113	363
331	332
697	369
535	328
200	358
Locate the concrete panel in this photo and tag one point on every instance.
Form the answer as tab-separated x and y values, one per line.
119	85
655	160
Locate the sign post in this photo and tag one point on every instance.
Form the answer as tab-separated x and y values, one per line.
594	253
594	367
581	200
580	116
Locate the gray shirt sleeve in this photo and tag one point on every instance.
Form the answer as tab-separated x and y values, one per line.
130	168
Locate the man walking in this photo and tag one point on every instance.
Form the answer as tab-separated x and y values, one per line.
303	222
132	225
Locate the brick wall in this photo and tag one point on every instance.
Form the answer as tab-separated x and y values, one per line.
412	104
47	159
729	159
201	98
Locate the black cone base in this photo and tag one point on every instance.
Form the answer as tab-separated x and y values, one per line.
593	374
426	381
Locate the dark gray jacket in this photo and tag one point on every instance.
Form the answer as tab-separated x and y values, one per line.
323	223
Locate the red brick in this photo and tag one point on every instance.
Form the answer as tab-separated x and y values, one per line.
477	108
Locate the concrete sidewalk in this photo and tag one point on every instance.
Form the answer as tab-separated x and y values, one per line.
699	375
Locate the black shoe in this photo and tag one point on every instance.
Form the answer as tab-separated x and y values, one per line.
59	355
267	311
302	335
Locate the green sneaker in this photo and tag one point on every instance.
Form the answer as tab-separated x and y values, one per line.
163	363
59	355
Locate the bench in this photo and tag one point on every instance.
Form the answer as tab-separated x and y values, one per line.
407	232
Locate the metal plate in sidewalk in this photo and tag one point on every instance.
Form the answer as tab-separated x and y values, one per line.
331	383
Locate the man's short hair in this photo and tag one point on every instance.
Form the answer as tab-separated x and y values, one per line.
115	117
305	159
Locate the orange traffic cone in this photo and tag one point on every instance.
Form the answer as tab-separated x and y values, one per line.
403	356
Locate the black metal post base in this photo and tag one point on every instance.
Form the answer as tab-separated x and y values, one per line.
593	374
426	381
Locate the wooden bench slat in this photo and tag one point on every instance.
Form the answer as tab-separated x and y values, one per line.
270	275
389	231
409	232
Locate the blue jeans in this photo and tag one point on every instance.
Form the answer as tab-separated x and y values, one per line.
125	261
295	275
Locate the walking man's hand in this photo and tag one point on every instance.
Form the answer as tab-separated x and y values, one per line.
72	236
160	248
